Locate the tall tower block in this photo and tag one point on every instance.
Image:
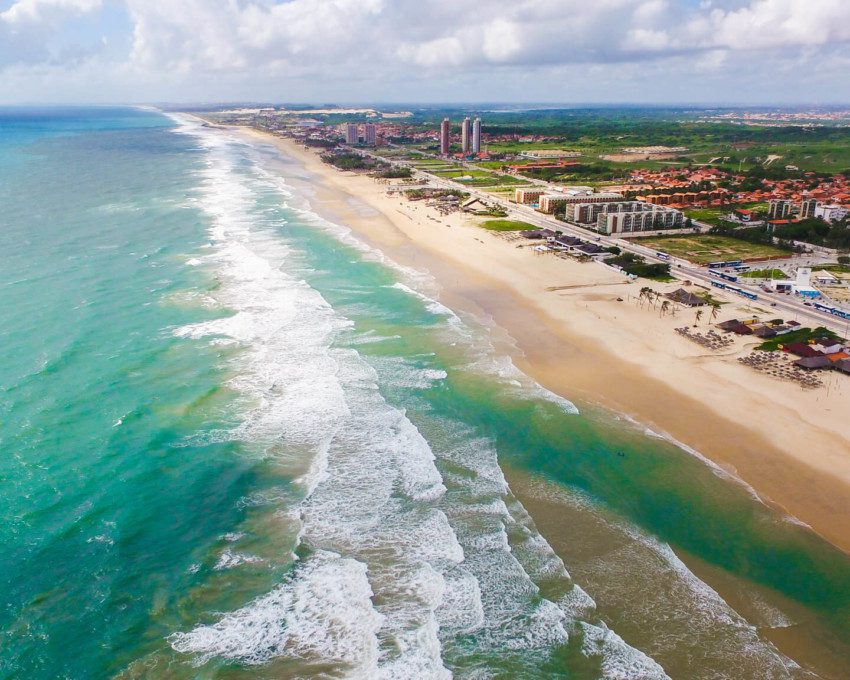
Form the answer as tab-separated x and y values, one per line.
466	135
476	136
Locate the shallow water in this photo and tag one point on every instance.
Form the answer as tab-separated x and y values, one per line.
238	442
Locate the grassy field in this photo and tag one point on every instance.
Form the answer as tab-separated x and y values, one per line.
462	172
707	248
506	225
709	215
765	274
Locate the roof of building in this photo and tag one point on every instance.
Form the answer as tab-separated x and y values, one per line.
765	332
838	356
686	298
535	233
813	362
741	329
802	350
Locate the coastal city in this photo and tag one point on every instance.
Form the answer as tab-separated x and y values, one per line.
710	235
435	340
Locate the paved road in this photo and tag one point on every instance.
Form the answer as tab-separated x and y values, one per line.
791	308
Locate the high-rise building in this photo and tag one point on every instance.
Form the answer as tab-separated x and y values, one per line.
778	209
369	134
476	136
444	136
351	133
466	135
808	207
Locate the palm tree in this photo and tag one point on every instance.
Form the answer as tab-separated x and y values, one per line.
715	310
697	317
664	307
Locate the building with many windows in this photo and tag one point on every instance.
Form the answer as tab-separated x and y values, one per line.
587	213
528	196
808	207
351	133
643	220
778	209
551	202
466	135
831	213
445	130
476	136
370	136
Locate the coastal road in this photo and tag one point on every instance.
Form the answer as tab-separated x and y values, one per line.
681	269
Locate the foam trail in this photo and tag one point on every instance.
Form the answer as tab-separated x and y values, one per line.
397	564
305	402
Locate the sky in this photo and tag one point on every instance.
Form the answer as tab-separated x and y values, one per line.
425	51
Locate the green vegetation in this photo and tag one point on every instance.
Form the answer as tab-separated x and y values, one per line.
454	173
506	225
595	132
707	215
636	265
348	161
705	248
765	274
581	171
801	335
419	194
817	232
395	173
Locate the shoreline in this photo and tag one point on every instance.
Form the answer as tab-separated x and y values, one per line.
578	341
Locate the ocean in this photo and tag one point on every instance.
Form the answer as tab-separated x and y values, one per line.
237	442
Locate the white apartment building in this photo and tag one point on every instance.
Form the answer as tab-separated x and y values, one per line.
644	220
476	136
550	202
831	213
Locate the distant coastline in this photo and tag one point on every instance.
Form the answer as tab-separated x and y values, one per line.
585	345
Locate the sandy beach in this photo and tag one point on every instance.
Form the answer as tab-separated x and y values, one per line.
580	330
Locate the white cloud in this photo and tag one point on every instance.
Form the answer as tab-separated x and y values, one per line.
432	47
39	11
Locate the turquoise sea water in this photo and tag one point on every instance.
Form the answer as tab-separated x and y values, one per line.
234	441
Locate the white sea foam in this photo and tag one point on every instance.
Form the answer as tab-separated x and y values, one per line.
370	478
229	559
432	305
322	612
619	660
394	564
677	594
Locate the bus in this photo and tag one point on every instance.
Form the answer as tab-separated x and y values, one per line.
723	275
820	306
663	256
730	264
